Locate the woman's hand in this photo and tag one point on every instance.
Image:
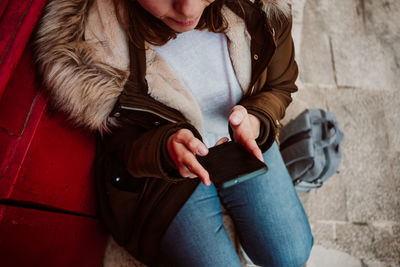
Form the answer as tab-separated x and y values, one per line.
183	147
246	128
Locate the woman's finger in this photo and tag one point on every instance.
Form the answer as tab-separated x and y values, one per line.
221	141
189	167
182	147
196	168
252	147
192	143
185	172
238	113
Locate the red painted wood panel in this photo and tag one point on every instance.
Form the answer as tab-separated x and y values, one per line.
47	160
58	168
45	163
48	239
17	21
18	97
3	5
17	147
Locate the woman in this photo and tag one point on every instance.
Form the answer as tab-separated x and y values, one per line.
162	81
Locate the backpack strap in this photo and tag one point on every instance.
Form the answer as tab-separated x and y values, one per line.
300	150
301	124
331	135
303	186
298	157
327	128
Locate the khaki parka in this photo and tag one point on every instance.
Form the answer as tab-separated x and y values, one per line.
138	187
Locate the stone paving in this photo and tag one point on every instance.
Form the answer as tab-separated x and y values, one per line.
348	53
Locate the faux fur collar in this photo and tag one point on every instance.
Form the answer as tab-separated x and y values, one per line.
83	56
274	9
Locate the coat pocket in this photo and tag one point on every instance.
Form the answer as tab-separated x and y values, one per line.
118	194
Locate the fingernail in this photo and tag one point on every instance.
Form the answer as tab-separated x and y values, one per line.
235	119
202	150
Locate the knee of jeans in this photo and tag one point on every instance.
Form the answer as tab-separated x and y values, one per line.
295	254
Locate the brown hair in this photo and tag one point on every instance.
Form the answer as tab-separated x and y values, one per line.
142	26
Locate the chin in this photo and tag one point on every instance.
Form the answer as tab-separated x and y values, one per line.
181	28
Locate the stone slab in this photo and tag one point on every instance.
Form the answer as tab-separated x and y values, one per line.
329	201
386	246
370	166
356	240
391	103
372	185
321	19
381	18
361	115
362	61
321	256
307	96
297	13
348	43
315	61
117	256
374	263
368	243
323	232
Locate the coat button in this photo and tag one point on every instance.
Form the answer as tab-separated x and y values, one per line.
255	57
156	123
117	114
277	122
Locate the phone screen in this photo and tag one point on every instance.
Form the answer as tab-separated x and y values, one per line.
230	163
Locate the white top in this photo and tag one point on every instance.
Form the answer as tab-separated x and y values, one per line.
201	59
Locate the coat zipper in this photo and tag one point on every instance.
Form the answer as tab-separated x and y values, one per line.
149	111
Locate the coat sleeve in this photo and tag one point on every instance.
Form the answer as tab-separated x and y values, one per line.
270	102
144	151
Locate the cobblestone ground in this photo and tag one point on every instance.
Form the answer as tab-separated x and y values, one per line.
349	58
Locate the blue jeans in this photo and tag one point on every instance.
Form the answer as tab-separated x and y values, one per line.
267	214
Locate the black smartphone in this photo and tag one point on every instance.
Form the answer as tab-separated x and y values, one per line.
230	163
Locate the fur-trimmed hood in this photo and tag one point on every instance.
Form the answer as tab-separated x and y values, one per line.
82	53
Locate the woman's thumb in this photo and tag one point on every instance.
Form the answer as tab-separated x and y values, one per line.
235	118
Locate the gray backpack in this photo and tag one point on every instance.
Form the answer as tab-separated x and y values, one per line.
311	148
